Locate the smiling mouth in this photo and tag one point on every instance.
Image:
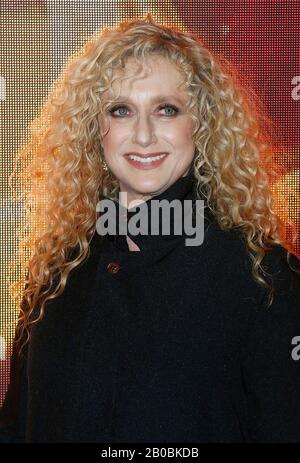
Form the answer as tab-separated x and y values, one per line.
146	162
148	159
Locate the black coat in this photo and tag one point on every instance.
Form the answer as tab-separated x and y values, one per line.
170	344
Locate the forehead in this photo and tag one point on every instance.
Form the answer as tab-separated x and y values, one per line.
154	73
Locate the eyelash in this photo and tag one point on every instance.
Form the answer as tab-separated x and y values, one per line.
115	108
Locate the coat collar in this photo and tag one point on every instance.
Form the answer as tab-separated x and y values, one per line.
182	189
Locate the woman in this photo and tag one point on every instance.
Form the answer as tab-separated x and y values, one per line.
140	337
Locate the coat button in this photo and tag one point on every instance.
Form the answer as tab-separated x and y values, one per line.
113	267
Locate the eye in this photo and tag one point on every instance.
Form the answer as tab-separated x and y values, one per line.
117	108
173	108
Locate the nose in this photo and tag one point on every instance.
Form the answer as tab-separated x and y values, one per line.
144	131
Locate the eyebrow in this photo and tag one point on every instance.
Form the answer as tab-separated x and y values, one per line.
156	99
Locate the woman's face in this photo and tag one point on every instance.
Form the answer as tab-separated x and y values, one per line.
149	117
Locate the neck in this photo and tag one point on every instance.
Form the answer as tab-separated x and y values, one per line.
159	221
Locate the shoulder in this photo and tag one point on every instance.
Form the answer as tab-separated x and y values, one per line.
227	248
232	244
229	251
282	317
284	269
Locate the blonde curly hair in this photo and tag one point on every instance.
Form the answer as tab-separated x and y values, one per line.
62	172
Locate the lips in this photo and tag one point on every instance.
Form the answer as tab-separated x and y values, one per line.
146	162
147	155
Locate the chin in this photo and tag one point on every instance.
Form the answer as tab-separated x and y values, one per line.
149	185
144	187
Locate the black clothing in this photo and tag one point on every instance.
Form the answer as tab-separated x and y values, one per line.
170	344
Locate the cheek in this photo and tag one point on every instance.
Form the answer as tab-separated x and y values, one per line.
114	139
182	134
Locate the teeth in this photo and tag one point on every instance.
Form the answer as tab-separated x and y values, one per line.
145	160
